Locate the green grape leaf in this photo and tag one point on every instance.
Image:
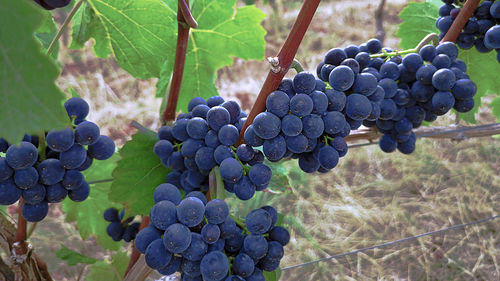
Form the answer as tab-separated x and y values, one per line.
483	70
137	175
139	32
73	258
418	20
495	105
31	101
87	25
46	32
109	270
223	32
273	275
437	3
88	214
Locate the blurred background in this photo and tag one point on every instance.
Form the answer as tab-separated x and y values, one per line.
370	198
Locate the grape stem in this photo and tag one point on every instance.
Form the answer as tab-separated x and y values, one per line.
19	247
63	26
297	66
432	37
180	59
284	59
135	253
460	21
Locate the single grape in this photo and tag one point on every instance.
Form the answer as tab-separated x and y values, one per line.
21	156
177	238
328	157
228	135
36	212
214	266
190	211
358	107
449	49
210	233
335	56
245	152
291	125
389	70
205	158
76	156
216	211
442	102
278	103
313	126
77	108
389	86
267	125
9	192
102	149
146	236
163	214
320	102
374	46
115	231
464	89
234	110
60	141
365	84
258	221
55	193
243	265
341	78
34	195
167	191
197	248
244	188
50	171
257	275
197	128
26	178
387	143
215	101
280	235
275	148
296	144
465	105
81	193
424	74
251	137
428	52
72	179
86	133
165	133
156	255
351	51
111	215
217	117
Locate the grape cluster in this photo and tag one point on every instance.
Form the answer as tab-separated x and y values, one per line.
204	138
482	29
52	4
55	173
119	228
366	86
200	239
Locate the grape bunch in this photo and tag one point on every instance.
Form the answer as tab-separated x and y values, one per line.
411	89
119	228
52	4
48	171
482	30
200	239
204	138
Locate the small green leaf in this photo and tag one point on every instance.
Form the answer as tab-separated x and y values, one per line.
73	93
495	105
46	32
87	25
140	32
31	101
418	20
223	32
273	275
73	258
483	70
109	270
137	175
88	214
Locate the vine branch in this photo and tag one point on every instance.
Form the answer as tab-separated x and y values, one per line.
19	245
63	26
183	26
284	60
458	24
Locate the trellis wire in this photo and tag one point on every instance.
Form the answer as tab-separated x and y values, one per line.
392	242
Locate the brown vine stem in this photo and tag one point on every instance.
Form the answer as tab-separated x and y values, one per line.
19	244
135	253
284	60
458	24
180	59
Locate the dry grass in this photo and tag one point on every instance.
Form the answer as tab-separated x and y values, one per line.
370	198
